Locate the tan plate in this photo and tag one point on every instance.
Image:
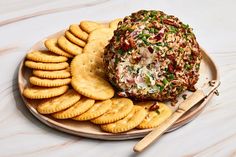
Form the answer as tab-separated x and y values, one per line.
208	71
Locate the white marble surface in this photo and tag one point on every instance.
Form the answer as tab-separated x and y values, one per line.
22	23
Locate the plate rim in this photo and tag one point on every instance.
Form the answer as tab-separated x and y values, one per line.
186	118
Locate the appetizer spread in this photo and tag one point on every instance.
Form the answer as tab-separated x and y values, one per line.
94	71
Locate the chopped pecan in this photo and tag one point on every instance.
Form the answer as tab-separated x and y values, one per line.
132	43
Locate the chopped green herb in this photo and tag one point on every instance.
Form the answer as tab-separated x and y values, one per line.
145	19
158	112
181	49
165	44
159	44
161	88
121	52
116	60
185	26
151	30
171	76
156	88
173	29
148	78
153	13
165	81
197	66
187	66
157	48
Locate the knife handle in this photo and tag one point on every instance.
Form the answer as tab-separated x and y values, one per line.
158	131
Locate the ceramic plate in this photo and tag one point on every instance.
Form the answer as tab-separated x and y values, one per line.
208	71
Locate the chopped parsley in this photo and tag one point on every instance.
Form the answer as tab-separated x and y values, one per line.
185	26
158	88
181	49
121	52
165	81
187	66
171	76
173	29
116	61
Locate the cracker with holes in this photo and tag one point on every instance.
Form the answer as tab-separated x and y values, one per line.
88	77
133	119
101	34
120	108
157	114
95	48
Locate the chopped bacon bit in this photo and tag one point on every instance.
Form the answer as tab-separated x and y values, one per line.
159	36
154	107
170	68
183	45
165	21
150	49
126	46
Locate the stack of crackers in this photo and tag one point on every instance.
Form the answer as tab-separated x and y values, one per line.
70	80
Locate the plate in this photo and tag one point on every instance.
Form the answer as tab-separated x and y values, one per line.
208	71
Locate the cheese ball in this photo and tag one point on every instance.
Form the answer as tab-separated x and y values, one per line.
152	56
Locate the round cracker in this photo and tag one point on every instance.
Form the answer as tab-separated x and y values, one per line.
114	24
52	45
95	48
120	108
42	93
68	46
59	103
101	34
80	107
46	66
49	82
95	111
52	74
87	63
133	119
154	118
74	39
89	26
45	56
92	86
78	32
